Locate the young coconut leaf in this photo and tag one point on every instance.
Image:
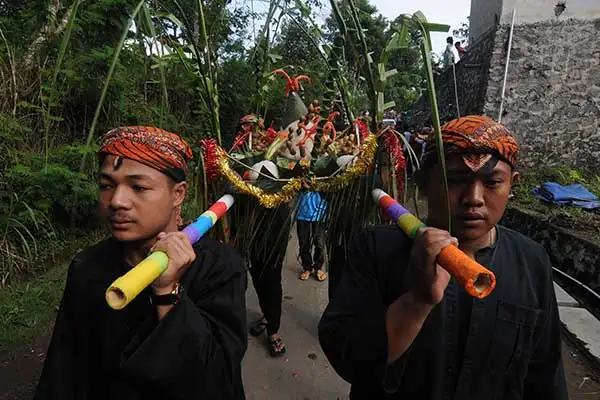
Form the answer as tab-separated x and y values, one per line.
423	26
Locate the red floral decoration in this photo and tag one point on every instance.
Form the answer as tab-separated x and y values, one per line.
394	146
310	133
271	133
210	158
363	128
239	140
293	84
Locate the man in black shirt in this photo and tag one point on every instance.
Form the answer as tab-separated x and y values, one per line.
182	338
399	327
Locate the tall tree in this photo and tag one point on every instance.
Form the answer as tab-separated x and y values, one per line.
373	25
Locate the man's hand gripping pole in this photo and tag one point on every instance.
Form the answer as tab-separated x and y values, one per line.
477	280
126	288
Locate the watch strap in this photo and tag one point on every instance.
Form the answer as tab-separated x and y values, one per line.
169	299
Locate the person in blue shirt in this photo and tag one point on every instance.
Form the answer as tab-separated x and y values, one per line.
310	223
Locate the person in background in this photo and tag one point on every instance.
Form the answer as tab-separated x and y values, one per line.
418	141
460	49
400	328
310	225
184	335
266	257
408	136
448	56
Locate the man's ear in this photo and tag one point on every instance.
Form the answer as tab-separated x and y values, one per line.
179	192
515	177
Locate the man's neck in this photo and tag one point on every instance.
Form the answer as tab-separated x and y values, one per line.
471	247
137	251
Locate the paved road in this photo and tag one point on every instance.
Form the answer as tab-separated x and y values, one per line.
303	373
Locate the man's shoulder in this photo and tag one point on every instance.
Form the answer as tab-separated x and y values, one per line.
100	247
534	254
94	253
213	253
521	242
388	231
92	263
383	242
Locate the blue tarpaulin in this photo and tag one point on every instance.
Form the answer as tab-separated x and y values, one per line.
570	195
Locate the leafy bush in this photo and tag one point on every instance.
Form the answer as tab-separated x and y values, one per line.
42	208
67	197
21	228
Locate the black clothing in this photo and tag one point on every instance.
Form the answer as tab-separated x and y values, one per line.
266	278
266	255
350	210
338	259
512	344
310	235
194	352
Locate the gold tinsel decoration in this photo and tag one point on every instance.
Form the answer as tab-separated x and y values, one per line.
267	200
363	161
287	193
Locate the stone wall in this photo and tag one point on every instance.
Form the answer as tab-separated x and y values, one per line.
471	78
570	253
552	100
531	11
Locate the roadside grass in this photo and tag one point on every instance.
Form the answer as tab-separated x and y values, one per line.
28	307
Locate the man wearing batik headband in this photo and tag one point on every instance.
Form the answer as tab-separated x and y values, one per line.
184	337
400	328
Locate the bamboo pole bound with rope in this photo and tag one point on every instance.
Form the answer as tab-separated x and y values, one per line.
456	90
510	40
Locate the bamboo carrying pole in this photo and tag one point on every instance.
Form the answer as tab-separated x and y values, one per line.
123	290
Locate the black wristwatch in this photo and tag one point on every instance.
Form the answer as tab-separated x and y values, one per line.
169	299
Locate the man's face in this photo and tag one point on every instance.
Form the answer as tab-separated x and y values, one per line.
137	201
477	199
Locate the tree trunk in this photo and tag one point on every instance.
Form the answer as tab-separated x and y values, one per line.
51	29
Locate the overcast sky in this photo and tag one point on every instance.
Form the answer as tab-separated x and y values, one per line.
449	12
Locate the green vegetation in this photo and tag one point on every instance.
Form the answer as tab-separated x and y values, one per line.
30	304
29	307
73	69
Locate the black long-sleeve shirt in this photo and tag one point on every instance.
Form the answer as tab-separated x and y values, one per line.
506	346
194	352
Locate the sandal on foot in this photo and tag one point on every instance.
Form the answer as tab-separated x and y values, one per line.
320	276
258	328
276	347
305	274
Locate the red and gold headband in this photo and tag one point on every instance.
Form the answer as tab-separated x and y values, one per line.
154	147
476	139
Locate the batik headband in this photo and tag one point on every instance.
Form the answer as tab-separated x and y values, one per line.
477	139
154	147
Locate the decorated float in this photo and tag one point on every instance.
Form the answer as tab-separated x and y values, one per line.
306	151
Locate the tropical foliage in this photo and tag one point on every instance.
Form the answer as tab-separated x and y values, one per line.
72	69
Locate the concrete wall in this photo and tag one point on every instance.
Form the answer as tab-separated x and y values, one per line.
471	77
484	15
531	11
552	100
574	255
